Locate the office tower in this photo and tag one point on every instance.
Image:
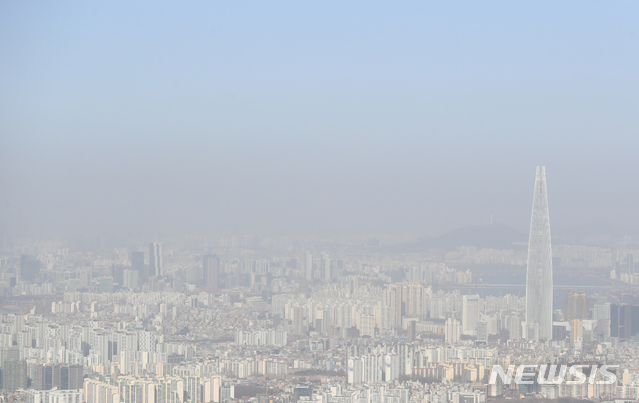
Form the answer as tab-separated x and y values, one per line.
211	271
308	269
615	320
624	320
576	306
601	311
155	259
539	282
14	375
326	268
630	260
470	313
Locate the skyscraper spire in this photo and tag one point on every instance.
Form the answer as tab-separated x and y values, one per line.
539	282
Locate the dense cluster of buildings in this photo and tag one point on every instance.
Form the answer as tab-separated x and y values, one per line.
330	323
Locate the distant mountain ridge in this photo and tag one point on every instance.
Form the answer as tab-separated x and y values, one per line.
599	233
497	236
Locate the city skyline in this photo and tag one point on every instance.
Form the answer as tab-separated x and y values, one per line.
319	202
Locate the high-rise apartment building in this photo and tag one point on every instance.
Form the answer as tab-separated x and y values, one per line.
413	300
452	331
155	259
539	277
394	302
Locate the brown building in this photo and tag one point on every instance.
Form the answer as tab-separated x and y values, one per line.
576	306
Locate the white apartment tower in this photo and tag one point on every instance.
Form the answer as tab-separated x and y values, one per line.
155	259
308	267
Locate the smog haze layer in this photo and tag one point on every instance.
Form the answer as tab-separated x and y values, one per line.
322	118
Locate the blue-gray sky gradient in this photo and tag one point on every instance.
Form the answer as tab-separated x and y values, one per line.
317	117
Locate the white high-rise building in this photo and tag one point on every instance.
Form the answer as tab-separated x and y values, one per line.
308	269
155	259
539	282
601	311
452	331
470	313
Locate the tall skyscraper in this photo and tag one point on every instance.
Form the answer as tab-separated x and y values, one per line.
211	271
155	259
539	282
138	266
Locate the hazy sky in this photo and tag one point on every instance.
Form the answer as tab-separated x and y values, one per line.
304	117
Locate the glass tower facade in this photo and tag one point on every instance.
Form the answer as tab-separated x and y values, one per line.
539	282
